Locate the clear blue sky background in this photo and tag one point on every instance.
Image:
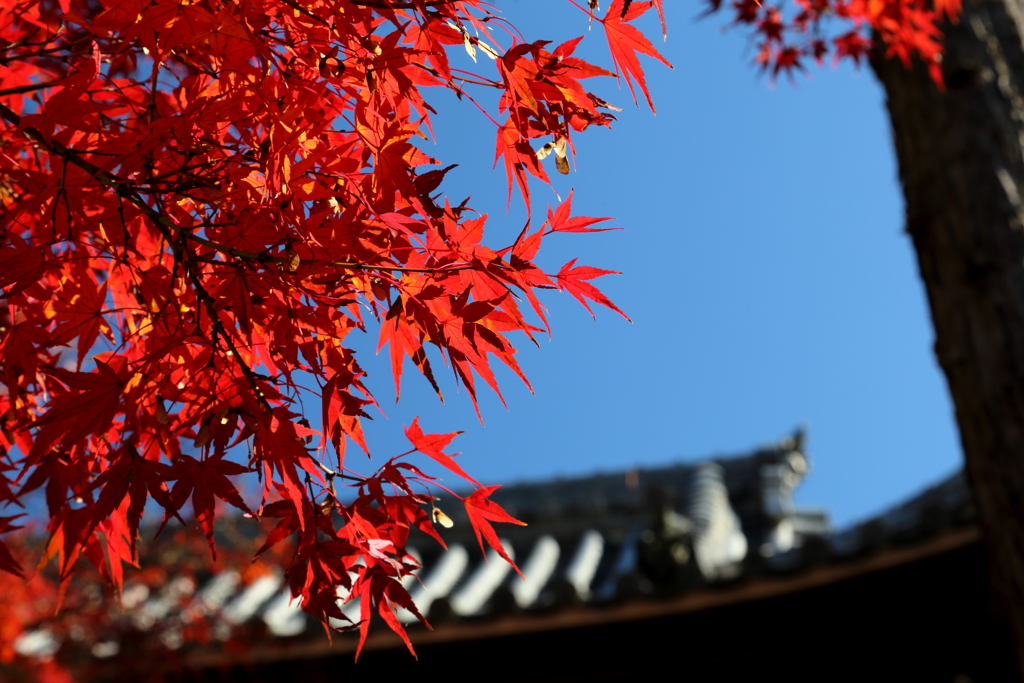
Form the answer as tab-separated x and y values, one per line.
765	269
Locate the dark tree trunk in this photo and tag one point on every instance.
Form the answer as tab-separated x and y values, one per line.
961	161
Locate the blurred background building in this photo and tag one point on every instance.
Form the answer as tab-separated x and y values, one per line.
706	570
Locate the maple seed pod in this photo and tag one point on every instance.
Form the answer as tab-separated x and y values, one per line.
442	519
221	417
304	439
330	66
161	412
467	41
203	437
292	260
557	146
561	158
379	289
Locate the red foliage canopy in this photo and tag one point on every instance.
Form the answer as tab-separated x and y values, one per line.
201	200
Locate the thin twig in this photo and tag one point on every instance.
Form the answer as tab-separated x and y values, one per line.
403	5
28	88
125	190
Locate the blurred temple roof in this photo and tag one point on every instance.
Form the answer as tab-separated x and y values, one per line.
622	548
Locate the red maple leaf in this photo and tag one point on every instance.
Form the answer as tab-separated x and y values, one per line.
315	574
7	561
659	5
433	445
80	314
561	221
341	413
21	266
88	408
573	280
482	512
377	588
625	41
203	480
520	159
133	476
280	449
226	232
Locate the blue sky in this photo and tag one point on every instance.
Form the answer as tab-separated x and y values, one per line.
764	266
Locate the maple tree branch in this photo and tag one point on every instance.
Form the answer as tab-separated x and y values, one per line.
475	82
302	10
45	52
178	171
163	224
201	221
402	5
28	88
166	226
218	326
366	266
125	190
483	81
332	474
120	187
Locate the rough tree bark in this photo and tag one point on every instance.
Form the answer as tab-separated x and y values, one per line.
961	163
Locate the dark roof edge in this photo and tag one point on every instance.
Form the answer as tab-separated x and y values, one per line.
583	616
